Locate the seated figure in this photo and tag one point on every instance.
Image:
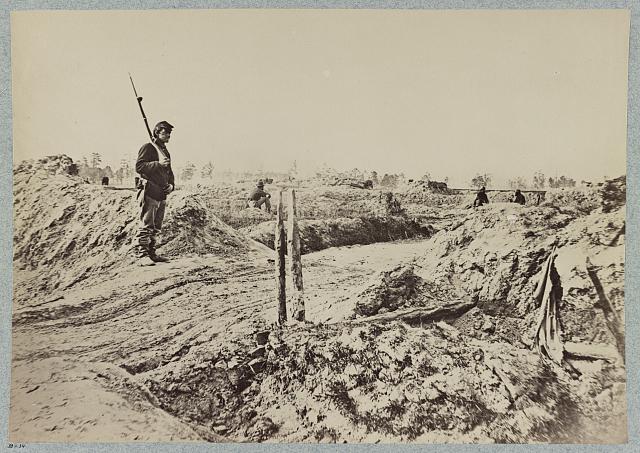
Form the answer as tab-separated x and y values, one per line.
259	197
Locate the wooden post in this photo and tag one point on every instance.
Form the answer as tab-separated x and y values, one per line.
280	246
293	242
609	312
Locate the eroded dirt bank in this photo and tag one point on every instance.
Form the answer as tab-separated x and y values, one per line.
318	235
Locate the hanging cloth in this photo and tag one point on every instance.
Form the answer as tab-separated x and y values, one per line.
548	339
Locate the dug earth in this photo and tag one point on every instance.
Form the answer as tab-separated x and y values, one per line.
423	334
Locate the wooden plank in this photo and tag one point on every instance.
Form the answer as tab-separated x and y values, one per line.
609	312
280	246
421	314
295	262
591	351
543	191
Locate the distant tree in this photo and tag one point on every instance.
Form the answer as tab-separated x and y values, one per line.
389	180
356	174
96	160
568	182
483	180
125	171
325	171
561	182
207	170
426	177
92	174
108	172
538	180
518	183
374	178
293	170
131	171
84	161
188	171
119	176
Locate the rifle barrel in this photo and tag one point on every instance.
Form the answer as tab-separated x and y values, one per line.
133	85
139	99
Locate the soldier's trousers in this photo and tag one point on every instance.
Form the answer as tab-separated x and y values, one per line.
262	201
151	217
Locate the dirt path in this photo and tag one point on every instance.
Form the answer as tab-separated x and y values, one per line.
333	277
141	318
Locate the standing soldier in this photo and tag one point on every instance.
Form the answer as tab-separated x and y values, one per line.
156	182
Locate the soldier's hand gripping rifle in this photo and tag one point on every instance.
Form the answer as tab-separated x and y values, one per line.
139	99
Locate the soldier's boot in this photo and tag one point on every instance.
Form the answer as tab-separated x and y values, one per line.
143	257
159	258
155	257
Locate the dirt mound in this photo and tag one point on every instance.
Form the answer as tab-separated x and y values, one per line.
50	165
321	234
190	228
495	255
401	288
66	231
614	194
578	201
373	383
339	202
314	203
426	197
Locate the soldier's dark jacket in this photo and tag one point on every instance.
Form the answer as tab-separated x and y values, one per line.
256	194
157	176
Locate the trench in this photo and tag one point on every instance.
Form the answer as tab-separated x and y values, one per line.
316	235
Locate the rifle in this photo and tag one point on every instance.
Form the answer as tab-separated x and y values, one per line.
144	117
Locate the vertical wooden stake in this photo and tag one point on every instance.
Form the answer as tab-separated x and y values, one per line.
280	246
293	242
610	316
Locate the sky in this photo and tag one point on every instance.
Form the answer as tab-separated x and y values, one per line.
451	93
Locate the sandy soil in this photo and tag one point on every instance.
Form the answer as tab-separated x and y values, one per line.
141	317
91	351
105	350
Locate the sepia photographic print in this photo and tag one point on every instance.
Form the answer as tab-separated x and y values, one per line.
319	226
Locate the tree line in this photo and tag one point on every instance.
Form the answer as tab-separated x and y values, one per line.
538	182
89	168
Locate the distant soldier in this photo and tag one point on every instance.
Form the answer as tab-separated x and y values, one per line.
518	198
155	183
481	198
259	197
